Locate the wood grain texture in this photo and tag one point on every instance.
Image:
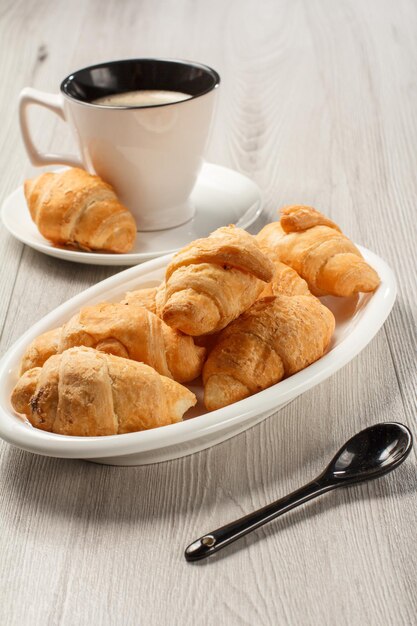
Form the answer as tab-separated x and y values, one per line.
317	104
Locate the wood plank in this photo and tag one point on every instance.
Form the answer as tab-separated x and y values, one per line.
317	105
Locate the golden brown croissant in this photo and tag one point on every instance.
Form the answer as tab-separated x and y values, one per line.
41	349
142	297
211	281
76	208
47	344
316	248
86	393
129	331
285	282
152	298
278	336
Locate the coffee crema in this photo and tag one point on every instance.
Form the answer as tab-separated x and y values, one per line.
143	97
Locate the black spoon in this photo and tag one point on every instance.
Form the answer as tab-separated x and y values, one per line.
371	453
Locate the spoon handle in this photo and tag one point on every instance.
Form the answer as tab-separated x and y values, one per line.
218	539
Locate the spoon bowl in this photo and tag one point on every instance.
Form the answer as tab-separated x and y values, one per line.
370	454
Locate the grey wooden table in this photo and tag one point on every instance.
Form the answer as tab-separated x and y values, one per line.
318	105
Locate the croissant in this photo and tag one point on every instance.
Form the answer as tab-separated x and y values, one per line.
41	349
47	344
212	281
152	298
277	336
86	393
76	208
126	331
285	282
315	247
142	297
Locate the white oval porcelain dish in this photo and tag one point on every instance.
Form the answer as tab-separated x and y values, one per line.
357	321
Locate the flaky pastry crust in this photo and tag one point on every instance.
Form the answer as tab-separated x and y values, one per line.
212	280
86	393
125	330
277	336
319	252
78	209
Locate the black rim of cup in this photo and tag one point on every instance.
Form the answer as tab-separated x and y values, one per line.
97	81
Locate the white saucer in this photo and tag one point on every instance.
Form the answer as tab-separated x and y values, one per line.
221	196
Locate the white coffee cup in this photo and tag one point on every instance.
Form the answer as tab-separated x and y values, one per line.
152	154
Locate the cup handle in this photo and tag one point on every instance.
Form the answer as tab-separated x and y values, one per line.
55	103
